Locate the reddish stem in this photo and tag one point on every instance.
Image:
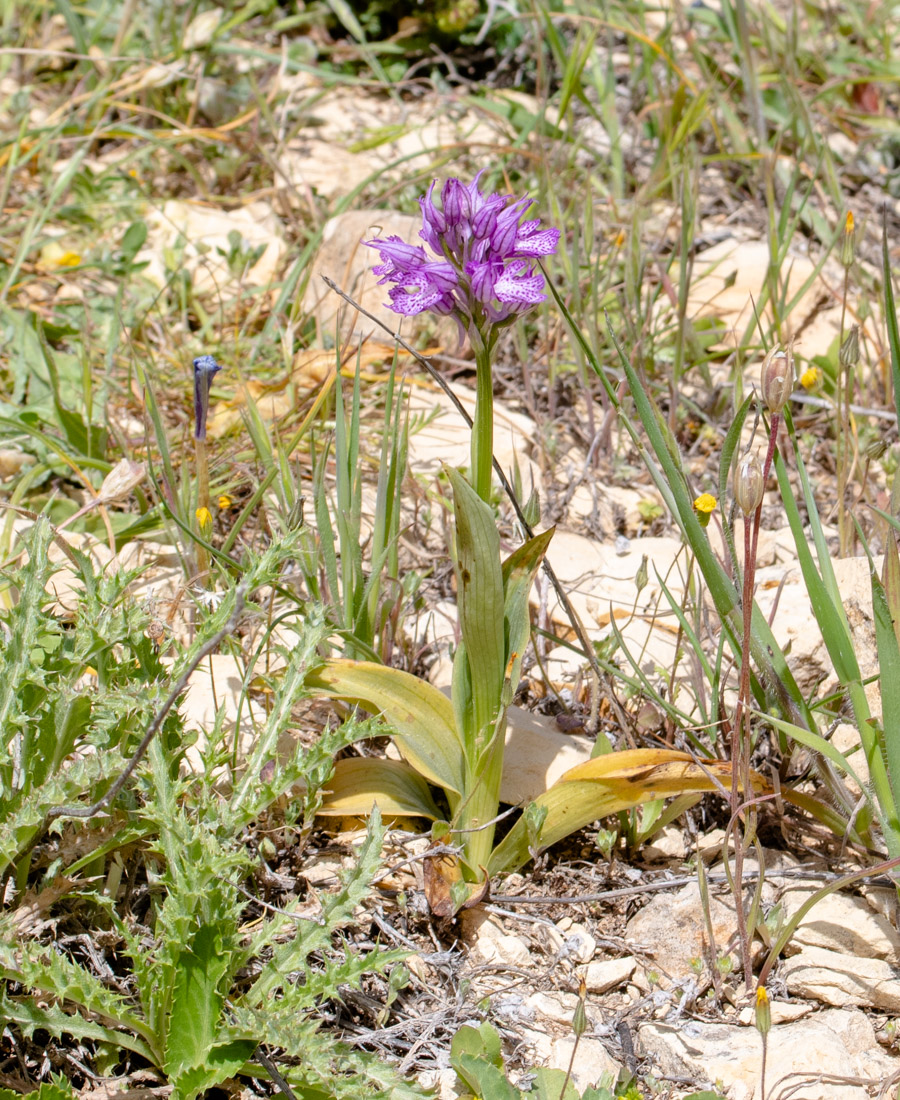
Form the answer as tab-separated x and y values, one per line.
740	737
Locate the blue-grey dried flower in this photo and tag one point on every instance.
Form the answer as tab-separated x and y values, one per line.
205	368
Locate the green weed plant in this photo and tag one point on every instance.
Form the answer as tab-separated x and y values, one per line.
190	1010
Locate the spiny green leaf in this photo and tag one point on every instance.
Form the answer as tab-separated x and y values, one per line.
56	1089
25	1014
197	1001
221	1063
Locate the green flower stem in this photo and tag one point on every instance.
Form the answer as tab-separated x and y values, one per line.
483	427
482	803
202	458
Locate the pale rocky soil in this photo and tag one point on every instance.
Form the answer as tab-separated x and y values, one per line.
658	1003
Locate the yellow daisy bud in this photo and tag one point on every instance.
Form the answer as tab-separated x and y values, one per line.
848	356
777	377
763	1011
848	243
811	379
204	520
224	502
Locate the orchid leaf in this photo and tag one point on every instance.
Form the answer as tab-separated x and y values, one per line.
480	599
392	785
518	576
607	785
421	717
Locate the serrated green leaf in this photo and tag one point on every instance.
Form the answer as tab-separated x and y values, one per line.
486	1080
316	935
197	1001
222	1063
56	1089
56	1022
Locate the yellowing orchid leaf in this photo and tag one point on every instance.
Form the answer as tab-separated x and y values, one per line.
420	715
607	785
359	783
657	772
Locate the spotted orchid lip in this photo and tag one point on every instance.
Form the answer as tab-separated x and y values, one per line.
205	369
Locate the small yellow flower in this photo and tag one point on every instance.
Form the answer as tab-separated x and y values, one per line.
848	224
763	1011
204	519
55	255
704	506
224	502
811	379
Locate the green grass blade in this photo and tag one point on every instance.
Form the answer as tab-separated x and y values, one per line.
729	446
829	612
890	316
889	668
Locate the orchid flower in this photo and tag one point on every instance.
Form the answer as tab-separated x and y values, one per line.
480	270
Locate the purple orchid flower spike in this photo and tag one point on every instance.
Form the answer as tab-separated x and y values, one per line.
205	369
483	269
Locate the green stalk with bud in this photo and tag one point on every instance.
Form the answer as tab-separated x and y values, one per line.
205	369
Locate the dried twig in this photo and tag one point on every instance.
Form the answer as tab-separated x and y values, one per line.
158	718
